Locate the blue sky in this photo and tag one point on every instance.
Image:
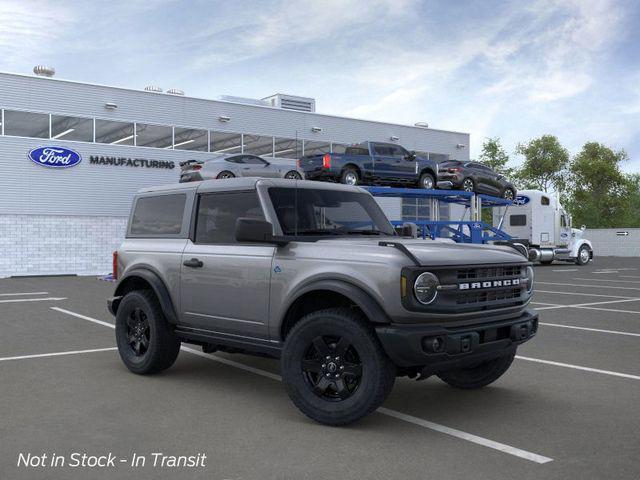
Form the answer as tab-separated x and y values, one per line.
515	70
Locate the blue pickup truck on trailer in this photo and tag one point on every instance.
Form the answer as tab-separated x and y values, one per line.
372	163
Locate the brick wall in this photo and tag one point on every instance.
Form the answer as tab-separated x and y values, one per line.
54	245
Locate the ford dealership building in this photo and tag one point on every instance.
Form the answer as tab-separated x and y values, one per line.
73	154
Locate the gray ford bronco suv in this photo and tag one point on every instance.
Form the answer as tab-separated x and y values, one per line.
314	274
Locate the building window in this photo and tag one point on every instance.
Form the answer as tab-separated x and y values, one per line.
190	139
26	124
218	212
287	148
71	128
157	136
257	145
316	148
115	133
438	157
158	215
226	142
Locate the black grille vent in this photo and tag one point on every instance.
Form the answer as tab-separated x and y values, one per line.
482	273
488	296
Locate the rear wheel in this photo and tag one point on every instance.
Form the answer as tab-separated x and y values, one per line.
334	368
293	175
468	185
508	194
427	181
478	376
584	255
350	176
145	340
225	174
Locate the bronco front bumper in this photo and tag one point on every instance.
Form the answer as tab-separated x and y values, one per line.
439	348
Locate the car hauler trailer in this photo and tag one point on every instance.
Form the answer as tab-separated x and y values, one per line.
538	220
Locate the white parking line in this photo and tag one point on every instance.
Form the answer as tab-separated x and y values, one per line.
566	270
579	367
616	332
27	293
590	286
384	411
629	276
57	354
587	305
606	280
47	299
580	294
611	310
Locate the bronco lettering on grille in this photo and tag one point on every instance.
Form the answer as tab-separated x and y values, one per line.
489	284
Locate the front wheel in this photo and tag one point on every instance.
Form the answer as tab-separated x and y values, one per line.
146	342
224	175
480	375
334	368
584	255
468	185
427	181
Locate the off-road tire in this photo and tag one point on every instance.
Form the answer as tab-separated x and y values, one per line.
480	375
348	173
425	177
163	345
377	371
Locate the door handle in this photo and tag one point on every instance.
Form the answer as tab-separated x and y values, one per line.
193	263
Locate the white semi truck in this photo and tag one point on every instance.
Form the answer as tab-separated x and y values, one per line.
537	220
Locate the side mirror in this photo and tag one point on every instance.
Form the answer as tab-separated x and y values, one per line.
255	230
410	156
583	228
407	229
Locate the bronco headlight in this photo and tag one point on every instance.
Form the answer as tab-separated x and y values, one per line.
530	279
426	288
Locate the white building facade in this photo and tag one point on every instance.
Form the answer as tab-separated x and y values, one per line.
56	221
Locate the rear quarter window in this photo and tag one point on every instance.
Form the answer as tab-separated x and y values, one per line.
158	215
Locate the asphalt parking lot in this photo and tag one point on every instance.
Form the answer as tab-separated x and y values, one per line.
568	408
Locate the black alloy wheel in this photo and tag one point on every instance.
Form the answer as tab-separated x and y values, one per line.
332	368
138	332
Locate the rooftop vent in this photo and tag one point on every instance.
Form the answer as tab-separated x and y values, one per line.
175	91
153	88
43	71
291	102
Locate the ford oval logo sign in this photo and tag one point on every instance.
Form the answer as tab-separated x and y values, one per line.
521	200
55	157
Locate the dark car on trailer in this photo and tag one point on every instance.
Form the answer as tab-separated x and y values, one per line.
474	177
372	163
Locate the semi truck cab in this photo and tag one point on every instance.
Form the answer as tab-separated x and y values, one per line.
539	221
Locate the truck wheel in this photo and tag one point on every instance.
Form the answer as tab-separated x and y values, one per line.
349	176
427	182
334	368
225	174
468	185
508	194
145	340
584	255
478	376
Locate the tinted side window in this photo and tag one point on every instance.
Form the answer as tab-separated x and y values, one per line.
544	201
253	160
357	151
239	159
158	215
218	212
382	150
518	220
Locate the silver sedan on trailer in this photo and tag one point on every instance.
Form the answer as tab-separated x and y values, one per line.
238	165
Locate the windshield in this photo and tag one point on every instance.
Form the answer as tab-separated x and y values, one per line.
305	211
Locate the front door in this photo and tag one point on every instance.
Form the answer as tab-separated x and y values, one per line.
253	166
225	284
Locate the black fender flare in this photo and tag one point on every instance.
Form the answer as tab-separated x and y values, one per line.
158	287
357	295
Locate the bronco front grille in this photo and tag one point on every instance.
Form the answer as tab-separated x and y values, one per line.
468	298
480	273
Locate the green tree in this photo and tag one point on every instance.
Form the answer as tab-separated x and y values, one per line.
600	194
545	164
494	156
